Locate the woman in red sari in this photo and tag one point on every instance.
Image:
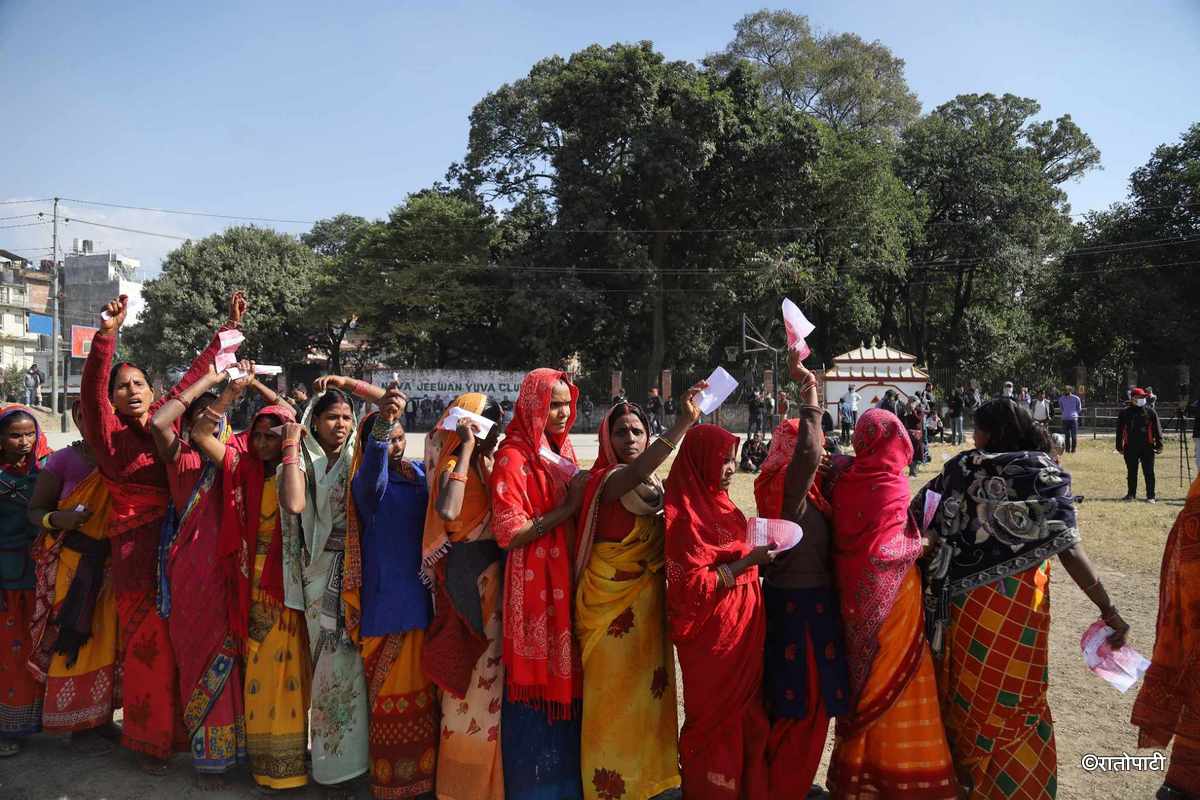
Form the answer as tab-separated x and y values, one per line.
717	621
117	407
536	492
892	744
193	583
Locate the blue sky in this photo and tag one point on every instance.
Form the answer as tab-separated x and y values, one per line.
302	110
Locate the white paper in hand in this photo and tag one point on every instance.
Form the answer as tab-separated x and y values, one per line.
234	373
798	328
720	385
223	361
230	340
783	534
450	423
267	369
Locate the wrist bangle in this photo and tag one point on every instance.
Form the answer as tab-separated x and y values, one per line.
668	441
454	476
290	460
46	523
539	526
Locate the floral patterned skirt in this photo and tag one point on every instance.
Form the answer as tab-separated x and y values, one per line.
404	716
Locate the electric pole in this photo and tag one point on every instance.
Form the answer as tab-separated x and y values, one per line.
56	325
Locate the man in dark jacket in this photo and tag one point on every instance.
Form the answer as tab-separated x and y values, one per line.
1139	439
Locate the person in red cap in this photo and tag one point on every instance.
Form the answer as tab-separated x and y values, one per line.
1139	439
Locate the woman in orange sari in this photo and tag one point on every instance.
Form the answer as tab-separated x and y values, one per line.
717	621
892	744
461	563
1168	704
75	622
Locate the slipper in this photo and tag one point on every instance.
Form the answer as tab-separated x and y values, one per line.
9	747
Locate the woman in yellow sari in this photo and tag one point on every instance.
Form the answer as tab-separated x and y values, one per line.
75	613
460	562
630	747
274	637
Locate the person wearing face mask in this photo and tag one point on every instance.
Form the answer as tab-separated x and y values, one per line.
386	607
537	489
620	608
271	635
461	563
1139	439
117	407
717	622
314	496
1007	390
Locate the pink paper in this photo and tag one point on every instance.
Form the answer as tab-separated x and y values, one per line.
798	328
223	361
565	467
1122	668
781	533
932	501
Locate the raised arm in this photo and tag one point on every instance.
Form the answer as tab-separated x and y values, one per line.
802	469
291	485
370	483
360	389
453	486
202	364
163	426
204	426
625	480
99	418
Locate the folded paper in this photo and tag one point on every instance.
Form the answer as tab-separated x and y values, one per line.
455	414
267	369
565	467
1121	667
798	328
780	533
720	385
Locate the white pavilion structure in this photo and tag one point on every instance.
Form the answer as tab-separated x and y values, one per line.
872	370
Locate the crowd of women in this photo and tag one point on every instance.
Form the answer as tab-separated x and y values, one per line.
492	621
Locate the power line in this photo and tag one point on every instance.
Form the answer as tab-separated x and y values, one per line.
127	230
24	225
19	202
189	213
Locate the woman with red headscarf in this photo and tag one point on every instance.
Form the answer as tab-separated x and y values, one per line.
21	459
629	748
892	744
117	406
537	490
271	636
717	621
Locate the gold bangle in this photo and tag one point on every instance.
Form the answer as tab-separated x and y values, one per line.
454	476
671	443
46	521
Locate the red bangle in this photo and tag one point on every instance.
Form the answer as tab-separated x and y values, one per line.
290	460
454	476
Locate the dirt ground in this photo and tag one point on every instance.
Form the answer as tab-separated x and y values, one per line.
1124	540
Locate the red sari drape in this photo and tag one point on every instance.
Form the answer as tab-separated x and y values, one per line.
719	633
541	657
137	481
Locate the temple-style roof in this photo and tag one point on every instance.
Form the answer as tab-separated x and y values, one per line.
874	353
871	372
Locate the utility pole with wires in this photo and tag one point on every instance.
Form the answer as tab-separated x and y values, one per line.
56	327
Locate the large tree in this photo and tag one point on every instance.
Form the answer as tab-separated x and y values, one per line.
990	178
844	81
186	303
661	185
1128	292
337	298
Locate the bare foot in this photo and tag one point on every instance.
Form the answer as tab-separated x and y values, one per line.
152	766
210	782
